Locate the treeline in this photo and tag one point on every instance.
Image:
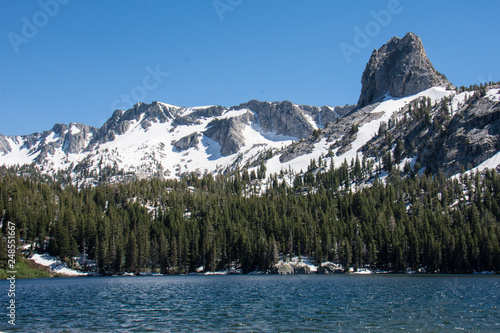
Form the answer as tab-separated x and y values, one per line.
238	221
475	88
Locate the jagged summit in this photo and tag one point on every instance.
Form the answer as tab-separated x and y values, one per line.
399	68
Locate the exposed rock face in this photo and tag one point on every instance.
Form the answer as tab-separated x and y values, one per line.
187	142
77	137
399	68
5	147
30	141
70	139
330	268
283	118
470	139
340	111
228	133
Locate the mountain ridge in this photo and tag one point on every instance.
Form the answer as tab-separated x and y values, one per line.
168	141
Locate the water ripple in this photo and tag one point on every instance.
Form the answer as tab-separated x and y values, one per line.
258	304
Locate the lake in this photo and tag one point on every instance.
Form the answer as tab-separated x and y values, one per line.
262	303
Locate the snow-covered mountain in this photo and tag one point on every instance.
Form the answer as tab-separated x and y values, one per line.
439	126
168	141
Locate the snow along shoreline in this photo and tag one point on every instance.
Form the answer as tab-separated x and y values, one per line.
285	266
56	265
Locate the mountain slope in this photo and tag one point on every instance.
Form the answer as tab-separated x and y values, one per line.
405	115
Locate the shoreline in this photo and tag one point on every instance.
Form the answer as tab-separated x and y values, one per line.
98	275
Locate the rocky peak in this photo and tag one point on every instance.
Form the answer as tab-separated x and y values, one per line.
150	113
399	68
155	112
119	122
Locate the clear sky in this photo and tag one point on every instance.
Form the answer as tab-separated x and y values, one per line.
74	60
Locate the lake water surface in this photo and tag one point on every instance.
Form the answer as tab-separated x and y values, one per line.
262	303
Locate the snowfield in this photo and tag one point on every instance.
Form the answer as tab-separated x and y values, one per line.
55	265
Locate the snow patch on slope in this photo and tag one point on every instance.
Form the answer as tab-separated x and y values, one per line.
233	113
458	101
491	163
19	155
493	95
74	130
52	137
55	265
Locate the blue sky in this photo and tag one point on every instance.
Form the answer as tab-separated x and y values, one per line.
71	60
